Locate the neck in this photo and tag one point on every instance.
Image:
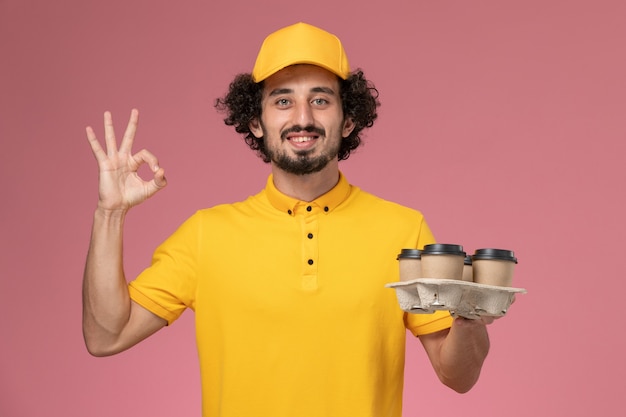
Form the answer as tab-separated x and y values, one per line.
306	187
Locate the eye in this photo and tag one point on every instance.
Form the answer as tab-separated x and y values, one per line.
320	101
282	102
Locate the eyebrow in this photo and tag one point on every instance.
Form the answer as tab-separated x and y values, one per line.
325	90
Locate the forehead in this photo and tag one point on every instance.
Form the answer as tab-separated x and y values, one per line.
301	77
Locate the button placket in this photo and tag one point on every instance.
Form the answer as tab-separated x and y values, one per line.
310	246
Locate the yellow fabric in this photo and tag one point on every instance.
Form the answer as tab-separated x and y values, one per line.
300	44
279	335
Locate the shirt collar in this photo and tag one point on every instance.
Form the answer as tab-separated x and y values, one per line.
326	202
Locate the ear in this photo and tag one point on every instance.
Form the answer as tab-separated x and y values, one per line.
255	128
348	127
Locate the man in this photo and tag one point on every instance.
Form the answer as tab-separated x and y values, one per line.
292	315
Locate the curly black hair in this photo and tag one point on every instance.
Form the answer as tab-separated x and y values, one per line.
242	104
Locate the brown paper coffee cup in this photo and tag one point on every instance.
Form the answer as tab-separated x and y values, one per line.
494	266
468	270
443	261
409	261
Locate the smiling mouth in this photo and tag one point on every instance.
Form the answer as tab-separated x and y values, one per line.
302	139
299	134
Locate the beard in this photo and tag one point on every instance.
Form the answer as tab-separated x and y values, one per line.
303	162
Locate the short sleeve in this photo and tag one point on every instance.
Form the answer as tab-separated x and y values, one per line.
168	286
421	324
426	236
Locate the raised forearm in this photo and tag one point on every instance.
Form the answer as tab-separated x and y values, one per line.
106	303
111	322
462	354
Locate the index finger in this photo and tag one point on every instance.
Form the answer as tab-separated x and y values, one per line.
129	134
96	148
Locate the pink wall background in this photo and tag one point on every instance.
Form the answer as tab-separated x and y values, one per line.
503	121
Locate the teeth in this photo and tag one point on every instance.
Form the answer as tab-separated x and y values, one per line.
301	139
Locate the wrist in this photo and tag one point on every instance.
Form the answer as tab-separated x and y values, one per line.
110	214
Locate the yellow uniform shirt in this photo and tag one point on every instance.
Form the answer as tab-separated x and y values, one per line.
292	314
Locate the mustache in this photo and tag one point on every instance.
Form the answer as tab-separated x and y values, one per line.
298	128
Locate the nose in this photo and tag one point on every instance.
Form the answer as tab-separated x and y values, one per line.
304	114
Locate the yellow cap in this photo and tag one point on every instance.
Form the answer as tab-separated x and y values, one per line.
300	44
